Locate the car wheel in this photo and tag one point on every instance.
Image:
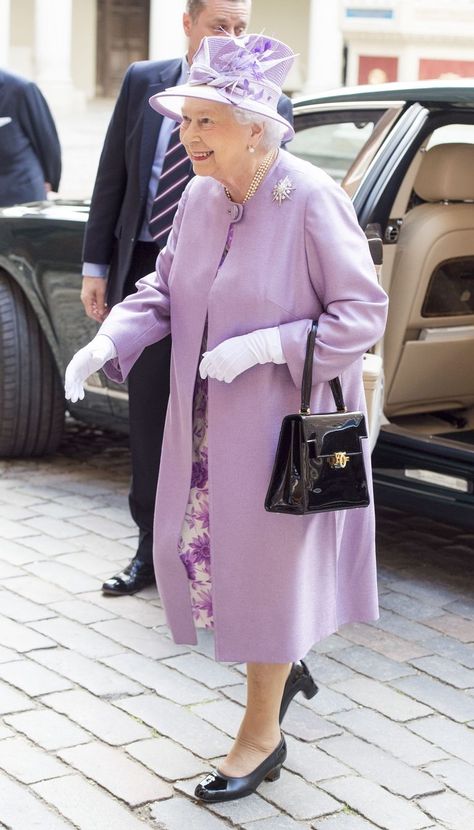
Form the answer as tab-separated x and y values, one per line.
32	402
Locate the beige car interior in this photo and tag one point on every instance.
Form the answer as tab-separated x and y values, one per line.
429	341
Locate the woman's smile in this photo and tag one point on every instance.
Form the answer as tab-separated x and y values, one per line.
200	156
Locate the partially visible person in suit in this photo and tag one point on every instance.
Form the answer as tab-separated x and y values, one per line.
30	153
142	173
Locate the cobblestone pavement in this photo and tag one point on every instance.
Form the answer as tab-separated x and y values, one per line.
106	723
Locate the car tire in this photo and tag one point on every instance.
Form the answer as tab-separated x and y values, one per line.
32	404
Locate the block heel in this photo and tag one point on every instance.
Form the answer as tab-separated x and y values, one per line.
299	680
274	774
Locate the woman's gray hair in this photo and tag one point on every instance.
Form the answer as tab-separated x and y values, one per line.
273	132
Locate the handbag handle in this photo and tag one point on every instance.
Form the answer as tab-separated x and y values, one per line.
307	382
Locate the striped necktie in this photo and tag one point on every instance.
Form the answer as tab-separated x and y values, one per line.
174	177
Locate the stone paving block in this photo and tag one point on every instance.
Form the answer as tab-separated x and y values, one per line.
98	679
455	774
383	642
280	822
456	812
55	510
57	528
394	738
22	610
32	679
63	575
223	714
177	813
17	553
374	665
452	649
376	804
87	562
87	807
11	700
48	729
133	608
10	495
327	701
81	611
101	526
311	763
14	530
251	808
381	767
175	722
423	589
344	821
77	637
101	718
113	770
31	587
450	702
330	644
49	546
375	695
110	549
7	655
205	642
303	722
327	670
206	671
119	515
454	738
15	512
165	681
296	797
236	693
167	759
137	637
20	637
20	810
400	626
8	570
20	759
407	606
454	626
5	732
462	607
446	670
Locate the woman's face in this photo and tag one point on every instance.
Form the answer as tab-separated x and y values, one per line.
215	142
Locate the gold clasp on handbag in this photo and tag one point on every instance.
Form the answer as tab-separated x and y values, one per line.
338	460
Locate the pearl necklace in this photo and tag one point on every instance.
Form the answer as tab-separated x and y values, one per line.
260	174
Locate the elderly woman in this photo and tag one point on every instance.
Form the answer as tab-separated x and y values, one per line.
261	245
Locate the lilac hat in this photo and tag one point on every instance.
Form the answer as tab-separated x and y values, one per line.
246	72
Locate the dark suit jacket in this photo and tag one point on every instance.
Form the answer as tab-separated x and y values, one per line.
30	154
120	192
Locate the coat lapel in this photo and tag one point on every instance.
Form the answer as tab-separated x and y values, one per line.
152	121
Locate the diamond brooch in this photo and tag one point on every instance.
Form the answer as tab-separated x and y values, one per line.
283	190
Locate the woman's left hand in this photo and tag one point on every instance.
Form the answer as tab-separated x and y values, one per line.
234	356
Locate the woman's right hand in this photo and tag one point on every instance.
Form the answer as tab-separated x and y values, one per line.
85	362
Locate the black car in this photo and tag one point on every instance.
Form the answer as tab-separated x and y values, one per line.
405	154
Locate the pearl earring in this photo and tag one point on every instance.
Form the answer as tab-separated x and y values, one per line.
251	149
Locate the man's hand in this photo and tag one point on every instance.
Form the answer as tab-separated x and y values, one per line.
93	298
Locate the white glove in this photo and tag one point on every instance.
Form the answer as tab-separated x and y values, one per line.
85	362
234	356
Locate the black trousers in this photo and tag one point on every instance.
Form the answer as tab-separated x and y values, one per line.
148	389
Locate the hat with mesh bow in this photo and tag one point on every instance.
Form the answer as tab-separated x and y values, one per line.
245	72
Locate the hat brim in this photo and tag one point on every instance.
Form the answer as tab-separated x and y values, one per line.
170	103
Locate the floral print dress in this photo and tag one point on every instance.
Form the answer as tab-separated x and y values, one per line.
194	546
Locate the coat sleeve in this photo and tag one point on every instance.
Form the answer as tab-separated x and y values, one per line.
38	124
344	280
110	183
143	318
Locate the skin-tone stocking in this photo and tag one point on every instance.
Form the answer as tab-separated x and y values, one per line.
259	732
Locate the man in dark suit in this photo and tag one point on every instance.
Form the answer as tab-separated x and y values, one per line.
142	172
30	154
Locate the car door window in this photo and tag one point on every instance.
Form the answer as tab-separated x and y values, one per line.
342	141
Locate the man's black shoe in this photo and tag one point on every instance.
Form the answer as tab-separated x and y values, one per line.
133	578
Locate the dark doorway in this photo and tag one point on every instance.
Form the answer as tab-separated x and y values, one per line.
122	37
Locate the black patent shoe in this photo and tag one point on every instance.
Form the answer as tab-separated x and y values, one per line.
299	680
133	578
219	787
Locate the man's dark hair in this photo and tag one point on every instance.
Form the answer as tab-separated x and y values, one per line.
195	7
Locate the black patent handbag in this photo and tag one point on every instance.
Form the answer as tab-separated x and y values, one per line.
319	464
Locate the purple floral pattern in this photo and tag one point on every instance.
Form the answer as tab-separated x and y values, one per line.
194	546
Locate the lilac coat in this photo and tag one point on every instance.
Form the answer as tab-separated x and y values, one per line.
280	583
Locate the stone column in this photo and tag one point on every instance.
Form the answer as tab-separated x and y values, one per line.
4	32
325	47
52	56
167	39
